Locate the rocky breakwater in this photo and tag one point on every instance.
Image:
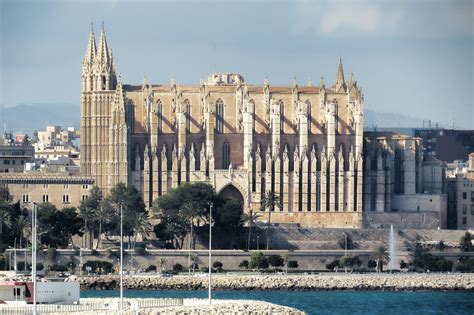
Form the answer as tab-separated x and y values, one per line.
369	282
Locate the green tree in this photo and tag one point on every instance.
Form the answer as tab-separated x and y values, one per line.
381	256
269	201
23	227
56	227
103	215
250	218
293	264
275	261
257	260
244	264
88	210
129	200
193	215
176	208
466	243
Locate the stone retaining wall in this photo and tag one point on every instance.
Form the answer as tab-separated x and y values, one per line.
388	282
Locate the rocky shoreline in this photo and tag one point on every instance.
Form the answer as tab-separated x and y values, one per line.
326	282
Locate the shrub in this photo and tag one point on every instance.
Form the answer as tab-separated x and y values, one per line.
217	264
94	252
371	264
466	242
257	260
150	268
292	264
244	264
342	242
71	265
98	266
333	264
177	267
346	261
403	264
275	261
204	269
440	245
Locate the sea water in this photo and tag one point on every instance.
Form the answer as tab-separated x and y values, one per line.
331	302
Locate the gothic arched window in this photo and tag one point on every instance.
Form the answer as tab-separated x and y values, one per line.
252	108
308	106
282	116
187	113
159	107
220	116
225	154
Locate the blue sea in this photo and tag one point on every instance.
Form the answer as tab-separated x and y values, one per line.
332	302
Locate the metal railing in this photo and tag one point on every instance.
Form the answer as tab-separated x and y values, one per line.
114	304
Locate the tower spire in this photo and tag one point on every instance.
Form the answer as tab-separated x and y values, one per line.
103	57
91	48
340	83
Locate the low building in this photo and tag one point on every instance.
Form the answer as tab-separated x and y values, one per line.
13	157
465	197
402	186
446	145
60	190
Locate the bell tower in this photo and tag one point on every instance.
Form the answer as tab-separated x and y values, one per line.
99	83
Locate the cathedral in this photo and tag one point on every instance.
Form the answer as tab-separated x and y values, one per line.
302	142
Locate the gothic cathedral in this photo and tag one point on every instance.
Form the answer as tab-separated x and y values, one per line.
302	142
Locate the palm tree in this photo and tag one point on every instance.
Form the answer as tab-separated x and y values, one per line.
141	227
5	219
162	262
191	211
22	226
103	215
249	218
381	256
269	202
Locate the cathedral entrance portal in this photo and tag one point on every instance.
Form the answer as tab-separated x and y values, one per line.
231	192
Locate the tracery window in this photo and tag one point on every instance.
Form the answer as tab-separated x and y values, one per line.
159	106
226	155
282	116
187	112
308	106
220	116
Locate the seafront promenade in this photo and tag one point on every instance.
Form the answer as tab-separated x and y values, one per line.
290	282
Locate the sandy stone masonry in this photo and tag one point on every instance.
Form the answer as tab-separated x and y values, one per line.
302	142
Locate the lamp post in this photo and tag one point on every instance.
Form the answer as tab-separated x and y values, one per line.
345	250
33	254
210	250
121	258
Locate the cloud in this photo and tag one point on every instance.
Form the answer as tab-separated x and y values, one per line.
384	18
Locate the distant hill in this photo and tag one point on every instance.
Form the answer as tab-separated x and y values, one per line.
27	118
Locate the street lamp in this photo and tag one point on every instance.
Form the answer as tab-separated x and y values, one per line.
345	250
210	250
33	254
121	257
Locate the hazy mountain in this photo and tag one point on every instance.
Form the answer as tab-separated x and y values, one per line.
27	118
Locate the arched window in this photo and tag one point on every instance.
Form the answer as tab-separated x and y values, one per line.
282	116
225	154
159	107
308	107
252	108
187	113
220	116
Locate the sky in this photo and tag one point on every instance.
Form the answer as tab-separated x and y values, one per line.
410	57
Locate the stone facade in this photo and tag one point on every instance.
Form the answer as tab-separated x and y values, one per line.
465	197
302	142
60	190
399	179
